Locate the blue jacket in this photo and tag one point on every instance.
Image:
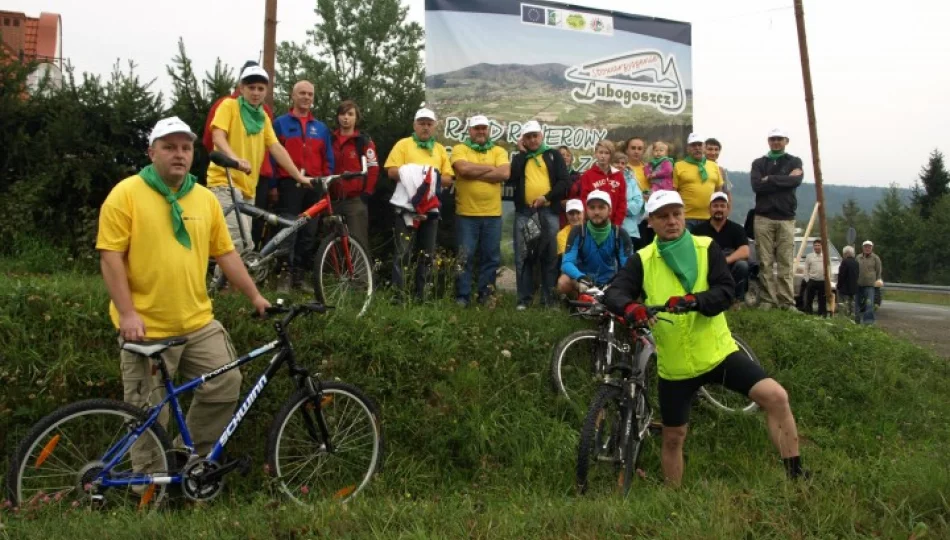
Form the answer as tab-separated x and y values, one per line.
635	206
309	143
584	257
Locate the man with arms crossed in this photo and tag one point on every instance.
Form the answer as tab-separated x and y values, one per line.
689	274
156	232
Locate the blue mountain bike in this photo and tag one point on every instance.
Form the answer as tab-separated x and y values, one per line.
325	442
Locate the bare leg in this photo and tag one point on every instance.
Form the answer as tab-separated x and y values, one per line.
773	399
672	455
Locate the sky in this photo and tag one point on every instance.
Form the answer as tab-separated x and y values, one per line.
880	74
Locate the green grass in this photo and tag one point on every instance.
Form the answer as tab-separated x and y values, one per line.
914	297
479	447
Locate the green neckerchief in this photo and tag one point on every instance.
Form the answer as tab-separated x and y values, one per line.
701	164
253	117
680	256
155	182
774	155
481	148
541	149
656	162
599	234
426	145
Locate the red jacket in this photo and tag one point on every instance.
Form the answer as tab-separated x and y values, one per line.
613	183
308	142
266	170
347	159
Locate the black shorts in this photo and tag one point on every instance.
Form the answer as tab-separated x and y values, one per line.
737	372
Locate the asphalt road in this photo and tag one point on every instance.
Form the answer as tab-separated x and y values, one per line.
927	324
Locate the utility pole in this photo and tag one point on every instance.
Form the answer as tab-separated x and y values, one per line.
270	45
813	133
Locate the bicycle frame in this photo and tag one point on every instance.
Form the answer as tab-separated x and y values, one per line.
285	354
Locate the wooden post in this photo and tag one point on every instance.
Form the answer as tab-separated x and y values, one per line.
270	45
813	134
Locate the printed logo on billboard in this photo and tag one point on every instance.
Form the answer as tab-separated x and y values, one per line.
642	78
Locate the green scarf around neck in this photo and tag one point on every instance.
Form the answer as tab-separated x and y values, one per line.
154	181
599	234
701	164
480	148
425	145
536	154
656	162
774	155
680	256
253	117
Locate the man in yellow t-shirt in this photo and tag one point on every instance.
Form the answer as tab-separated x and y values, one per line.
695	178
481	169
156	232
419	149
540	180
243	132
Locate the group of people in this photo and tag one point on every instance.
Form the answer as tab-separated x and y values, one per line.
158	229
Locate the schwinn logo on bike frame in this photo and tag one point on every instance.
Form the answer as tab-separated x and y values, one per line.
253	354
236	421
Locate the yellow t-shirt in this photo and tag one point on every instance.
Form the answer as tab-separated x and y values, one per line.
693	190
562	239
640	174
250	147
478	197
407	151
166	279
537	182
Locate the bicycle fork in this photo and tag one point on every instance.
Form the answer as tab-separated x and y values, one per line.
318	432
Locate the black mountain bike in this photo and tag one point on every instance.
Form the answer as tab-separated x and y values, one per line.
325	442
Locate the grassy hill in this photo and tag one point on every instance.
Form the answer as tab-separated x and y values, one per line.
479	447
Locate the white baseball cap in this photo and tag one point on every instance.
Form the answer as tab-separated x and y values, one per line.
694	138
478	120
868	243
254	71
531	126
662	198
598	195
167	126
719	195
778	132
574	205
426	113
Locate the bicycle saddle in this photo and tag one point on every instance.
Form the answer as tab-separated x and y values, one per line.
152	348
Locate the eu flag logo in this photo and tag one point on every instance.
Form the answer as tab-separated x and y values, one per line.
532	14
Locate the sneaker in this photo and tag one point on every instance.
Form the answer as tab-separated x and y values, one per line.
521	307
461	302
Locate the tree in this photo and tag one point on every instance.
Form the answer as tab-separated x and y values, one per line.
895	231
933	183
852	215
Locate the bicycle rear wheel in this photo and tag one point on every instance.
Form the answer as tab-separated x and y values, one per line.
298	456
343	275
600	440
720	398
576	366
60	458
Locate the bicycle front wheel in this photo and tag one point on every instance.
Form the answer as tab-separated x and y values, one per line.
601	440
309	467
576	369
720	398
61	458
343	274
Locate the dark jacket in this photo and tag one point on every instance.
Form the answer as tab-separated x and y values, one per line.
557	171
309	143
775	197
848	276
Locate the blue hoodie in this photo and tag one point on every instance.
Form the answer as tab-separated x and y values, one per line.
600	263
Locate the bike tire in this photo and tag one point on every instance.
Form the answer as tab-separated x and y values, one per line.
598	434
721	399
348	413
44	437
573	366
333	279
631	454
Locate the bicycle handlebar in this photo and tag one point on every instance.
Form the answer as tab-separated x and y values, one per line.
292	310
325	181
222	160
